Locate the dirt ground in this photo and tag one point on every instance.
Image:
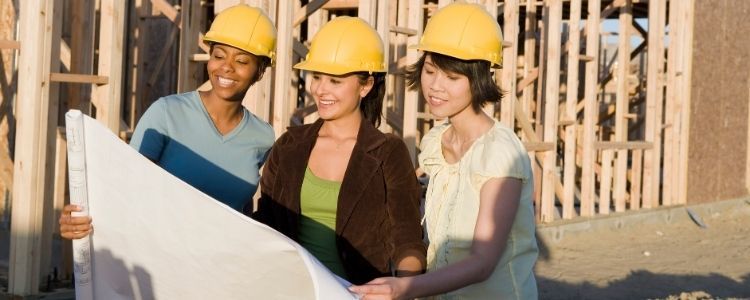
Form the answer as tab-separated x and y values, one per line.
675	261
679	260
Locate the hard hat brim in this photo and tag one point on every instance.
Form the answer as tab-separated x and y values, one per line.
333	69
457	53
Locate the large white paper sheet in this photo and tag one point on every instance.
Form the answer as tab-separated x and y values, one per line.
156	237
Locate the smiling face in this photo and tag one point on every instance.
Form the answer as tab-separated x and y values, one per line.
231	71
447	93
338	97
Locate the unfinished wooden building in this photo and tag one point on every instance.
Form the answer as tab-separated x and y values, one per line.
622	104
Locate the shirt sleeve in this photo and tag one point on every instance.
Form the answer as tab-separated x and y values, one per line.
150	135
499	155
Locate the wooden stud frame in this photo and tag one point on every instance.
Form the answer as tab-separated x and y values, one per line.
33	112
632	173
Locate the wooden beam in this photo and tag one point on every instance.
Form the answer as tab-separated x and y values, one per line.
611	8
551	100
168	10
367	10
605	186
8	44
673	105
314	23
61	173
527	96
621	122
530	71
299	48
32	122
591	109
411	100
307	10
259	97
394	108
403	30
510	62
571	100
281	97
341	4
538	146
682	172
78	78
49	216
190	74
490	108
383	17
620	146
532	76
635	180
82	44
641	31
654	103
108	97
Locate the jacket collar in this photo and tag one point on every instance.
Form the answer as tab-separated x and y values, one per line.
368	137
360	170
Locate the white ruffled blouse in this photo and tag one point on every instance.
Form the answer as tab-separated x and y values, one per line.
452	206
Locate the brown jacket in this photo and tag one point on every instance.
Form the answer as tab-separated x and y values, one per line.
378	218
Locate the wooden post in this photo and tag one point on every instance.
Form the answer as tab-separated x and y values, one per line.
258	97
383	28
527	96
32	114
108	97
591	109
49	216
190	73
551	99
136	88
654	103
298	53
671	107
605	186
685	90
367	11
314	23
529	55
82	44
571	100
399	89
510	62
491	6
283	67
635	179
412	98
621	109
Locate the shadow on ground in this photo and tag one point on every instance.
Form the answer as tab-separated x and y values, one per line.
646	285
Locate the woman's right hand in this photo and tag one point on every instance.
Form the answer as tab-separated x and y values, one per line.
74	227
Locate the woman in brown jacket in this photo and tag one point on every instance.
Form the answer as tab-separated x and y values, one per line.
341	188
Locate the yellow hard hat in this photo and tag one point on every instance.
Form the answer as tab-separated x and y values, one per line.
345	45
464	31
246	28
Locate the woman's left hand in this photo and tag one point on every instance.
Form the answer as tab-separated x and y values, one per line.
382	288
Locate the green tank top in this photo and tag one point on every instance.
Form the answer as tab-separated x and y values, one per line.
317	227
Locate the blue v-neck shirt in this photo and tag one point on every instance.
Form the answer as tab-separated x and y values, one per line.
177	133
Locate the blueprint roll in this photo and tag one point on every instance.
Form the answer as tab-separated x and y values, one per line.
74	131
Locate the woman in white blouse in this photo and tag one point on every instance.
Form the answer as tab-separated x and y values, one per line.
479	214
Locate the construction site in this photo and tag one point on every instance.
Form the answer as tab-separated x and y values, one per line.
635	115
